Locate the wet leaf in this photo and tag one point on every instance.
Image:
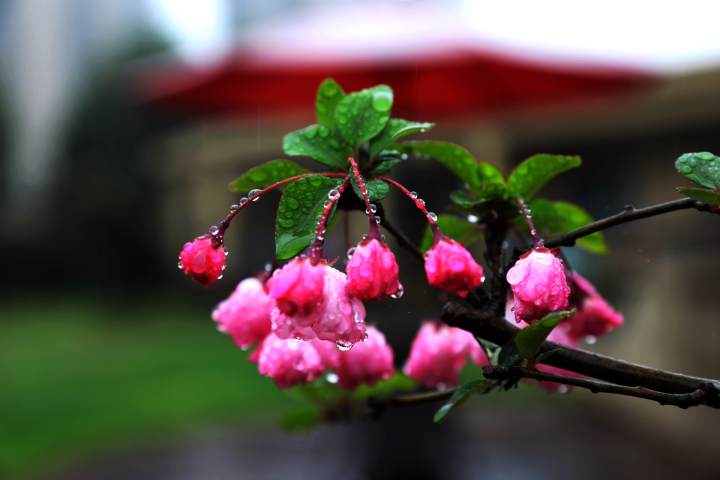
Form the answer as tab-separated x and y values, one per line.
707	196
702	168
552	218
319	143
362	115
265	174
377	189
328	96
396	129
386	162
300	208
528	177
529	339
462	393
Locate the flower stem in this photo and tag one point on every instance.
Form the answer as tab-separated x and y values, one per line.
527	215
319	241
217	231
419	202
374	232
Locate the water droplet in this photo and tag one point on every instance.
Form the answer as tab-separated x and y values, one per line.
350	252
331	377
234	207
268	267
432	216
590	340
472	218
227	253
373	208
414	195
404	156
378	220
220	277
254	193
382	100
333	194
420	202
563	389
214	230
343	346
320	238
400	292
180	265
243	200
310	133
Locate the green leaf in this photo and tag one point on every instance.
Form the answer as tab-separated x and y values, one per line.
509	355
328	96
362	115
461	394
536	171
300	207
529	339
454	227
702	168
319	143
387	161
707	196
483	179
377	189
396	129
465	199
265	174
553	218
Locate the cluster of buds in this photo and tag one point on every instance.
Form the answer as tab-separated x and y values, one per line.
307	318
541	284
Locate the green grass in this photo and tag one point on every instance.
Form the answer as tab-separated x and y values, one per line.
75	378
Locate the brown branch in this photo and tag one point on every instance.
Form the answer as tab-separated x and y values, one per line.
629	214
682	400
601	367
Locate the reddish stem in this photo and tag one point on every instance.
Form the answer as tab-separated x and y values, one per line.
419	203
374	232
217	231
317	245
527	215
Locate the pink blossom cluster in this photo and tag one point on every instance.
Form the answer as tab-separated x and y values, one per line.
540	285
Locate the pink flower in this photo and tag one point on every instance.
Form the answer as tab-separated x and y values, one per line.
245	315
202	261
367	362
338	317
450	267
372	271
438	354
538	283
594	316
289	362
298	286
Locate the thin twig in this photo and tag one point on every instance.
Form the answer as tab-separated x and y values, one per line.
682	400
629	214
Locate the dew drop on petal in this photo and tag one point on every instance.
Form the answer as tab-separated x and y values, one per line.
400	292
343	346
350	252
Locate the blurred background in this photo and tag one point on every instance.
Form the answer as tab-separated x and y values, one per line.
122	121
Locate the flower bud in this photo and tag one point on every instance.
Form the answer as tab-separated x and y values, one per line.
245	314
439	352
539	286
450	267
298	286
594	316
289	362
372	271
202	261
367	362
337	317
